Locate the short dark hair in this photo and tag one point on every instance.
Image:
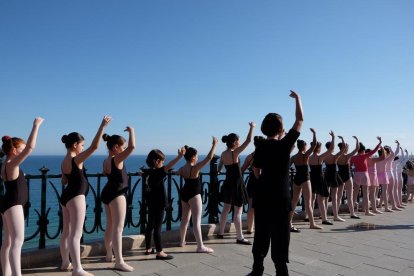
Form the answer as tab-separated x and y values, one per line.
272	124
153	156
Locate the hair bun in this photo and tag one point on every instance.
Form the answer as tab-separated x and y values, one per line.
106	137
5	138
64	139
186	147
224	139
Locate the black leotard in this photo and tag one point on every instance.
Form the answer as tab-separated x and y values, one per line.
344	172
233	190
117	183
318	182
77	184
191	188
301	175
331	176
16	193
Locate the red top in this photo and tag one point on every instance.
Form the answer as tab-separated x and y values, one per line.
360	160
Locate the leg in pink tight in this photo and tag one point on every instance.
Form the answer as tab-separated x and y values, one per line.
64	249
14	218
108	234
5	249
223	218
334	194
185	219
77	209
196	208
238	222
118	210
365	194
307	195
297	190
250	216
349	187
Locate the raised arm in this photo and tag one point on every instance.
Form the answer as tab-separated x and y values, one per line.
313	144
397	150
31	143
342	151
171	164
331	147
81	157
249	138
299	111
209	156
352	153
131	146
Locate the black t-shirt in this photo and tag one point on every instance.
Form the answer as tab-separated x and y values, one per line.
156	195
273	158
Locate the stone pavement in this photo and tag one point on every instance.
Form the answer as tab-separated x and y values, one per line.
380	245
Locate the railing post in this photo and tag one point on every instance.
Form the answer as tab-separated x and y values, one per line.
213	196
169	208
43	221
143	210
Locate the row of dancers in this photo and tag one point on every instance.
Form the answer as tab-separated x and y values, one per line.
76	187
268	189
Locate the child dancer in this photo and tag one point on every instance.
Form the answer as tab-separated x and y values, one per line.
272	202
191	195
373	180
302	181
344	170
333	179
113	195
251	183
319	186
157	198
73	196
361	177
15	198
233	191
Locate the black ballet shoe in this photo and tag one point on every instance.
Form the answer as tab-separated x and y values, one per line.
306	219
220	236
294	230
327	222
355	217
249	232
168	257
244	241
150	252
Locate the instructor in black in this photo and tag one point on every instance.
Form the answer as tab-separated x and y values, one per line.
272	202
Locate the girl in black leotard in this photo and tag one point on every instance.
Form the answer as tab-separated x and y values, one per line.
344	171
233	192
251	183
15	198
332	178
156	198
318	183
302	181
73	196
113	195
190	195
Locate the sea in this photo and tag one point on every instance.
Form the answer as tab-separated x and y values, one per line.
93	165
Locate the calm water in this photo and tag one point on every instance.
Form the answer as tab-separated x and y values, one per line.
93	165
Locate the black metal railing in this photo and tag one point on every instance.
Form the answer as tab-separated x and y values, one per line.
48	212
46	208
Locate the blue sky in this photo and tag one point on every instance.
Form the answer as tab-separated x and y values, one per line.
182	71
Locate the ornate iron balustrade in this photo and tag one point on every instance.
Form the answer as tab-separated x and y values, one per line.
48	211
